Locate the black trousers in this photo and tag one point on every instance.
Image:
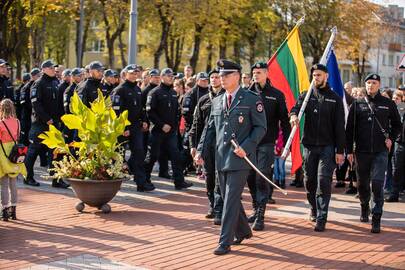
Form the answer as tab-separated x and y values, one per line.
371	168
319	164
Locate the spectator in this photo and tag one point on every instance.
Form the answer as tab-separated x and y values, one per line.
9	134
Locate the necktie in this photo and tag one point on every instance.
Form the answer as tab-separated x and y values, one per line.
229	101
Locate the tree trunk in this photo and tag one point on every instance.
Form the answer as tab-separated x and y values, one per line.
236	51
179	53
165	24
4	9
197	43
210	56
121	45
222	48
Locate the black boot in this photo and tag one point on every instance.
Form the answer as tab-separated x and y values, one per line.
5	214
376	224
365	212
59	184
320	225
218	218
312	215
210	213
253	216
258	225
13	213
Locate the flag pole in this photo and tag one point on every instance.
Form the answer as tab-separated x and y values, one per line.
323	61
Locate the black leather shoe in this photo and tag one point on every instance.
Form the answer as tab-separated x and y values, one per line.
299	184
376	224
293	183
59	184
238	241
183	185
271	201
222	250
340	184
146	187
365	212
31	182
165	175
392	199
210	214
320	226
351	190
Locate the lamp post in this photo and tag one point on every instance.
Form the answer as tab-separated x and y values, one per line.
132	48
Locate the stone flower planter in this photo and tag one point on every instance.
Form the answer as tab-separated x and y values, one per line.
95	193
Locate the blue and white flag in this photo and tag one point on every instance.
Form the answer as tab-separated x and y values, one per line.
335	81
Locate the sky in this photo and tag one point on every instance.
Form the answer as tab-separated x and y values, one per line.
400	3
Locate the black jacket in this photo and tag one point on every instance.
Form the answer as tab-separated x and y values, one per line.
324	119
201	116
88	90
26	106
162	107
276	112
128	97
145	93
45	100
362	128
189	103
107	88
6	88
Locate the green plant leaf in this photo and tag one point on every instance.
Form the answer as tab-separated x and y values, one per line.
53	138
72	121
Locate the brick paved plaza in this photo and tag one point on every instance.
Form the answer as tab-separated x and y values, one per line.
167	230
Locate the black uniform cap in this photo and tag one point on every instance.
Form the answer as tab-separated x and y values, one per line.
228	67
154	72
76	71
258	65
96	65
319	67
26	77
35	71
167	72
202	76
109	73
3	62
132	68
47	64
179	75
67	72
372	76
215	70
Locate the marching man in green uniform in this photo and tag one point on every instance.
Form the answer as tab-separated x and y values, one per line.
239	116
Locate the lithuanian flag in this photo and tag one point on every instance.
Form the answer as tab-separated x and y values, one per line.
288	73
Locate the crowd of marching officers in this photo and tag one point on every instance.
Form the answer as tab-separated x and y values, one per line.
192	122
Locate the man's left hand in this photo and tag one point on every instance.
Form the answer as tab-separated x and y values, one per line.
240	152
340	159
388	144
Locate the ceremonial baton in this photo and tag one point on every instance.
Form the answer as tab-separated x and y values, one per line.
258	171
323	61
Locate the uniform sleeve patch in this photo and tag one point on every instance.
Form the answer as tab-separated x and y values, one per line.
259	106
33	92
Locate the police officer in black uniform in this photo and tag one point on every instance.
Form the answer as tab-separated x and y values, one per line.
276	112
26	106
45	111
163	112
200	120
323	140
189	103
17	94
236	115
87	90
6	87
77	75
66	80
128	97
154	80
373	125
108	82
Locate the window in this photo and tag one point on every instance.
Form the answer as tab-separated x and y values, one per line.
345	75
384	60
391	60
398	59
391	82
96	46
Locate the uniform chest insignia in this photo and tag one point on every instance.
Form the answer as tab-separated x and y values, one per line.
259	106
240	119
369	118
272	98
315	111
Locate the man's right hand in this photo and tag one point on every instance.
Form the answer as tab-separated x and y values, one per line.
193	151
198	159
50	122
166	128
350	159
294	120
